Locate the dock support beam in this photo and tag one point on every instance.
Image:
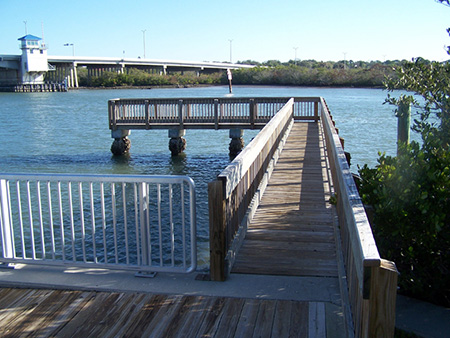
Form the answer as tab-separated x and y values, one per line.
403	123
237	142
121	144
177	143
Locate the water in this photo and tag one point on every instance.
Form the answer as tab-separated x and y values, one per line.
68	133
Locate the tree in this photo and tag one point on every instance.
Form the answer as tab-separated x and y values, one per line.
410	193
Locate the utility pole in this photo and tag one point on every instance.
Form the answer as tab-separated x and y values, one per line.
143	33
295	58
231	50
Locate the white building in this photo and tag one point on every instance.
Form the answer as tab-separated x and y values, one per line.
34	62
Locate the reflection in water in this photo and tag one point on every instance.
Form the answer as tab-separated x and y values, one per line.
177	164
121	159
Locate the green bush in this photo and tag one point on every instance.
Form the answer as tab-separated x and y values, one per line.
136	77
317	74
410	197
410	193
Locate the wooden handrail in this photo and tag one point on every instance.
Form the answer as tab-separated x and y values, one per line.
204	113
372	281
232	192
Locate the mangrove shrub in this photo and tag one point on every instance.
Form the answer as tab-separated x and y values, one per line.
410	193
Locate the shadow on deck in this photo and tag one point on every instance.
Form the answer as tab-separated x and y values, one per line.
292	232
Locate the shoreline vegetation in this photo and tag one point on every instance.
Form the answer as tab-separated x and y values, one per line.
308	73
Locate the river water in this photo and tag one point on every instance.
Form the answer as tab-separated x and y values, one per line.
68	133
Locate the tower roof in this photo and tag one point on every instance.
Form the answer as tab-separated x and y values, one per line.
29	37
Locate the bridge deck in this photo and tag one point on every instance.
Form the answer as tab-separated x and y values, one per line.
292	232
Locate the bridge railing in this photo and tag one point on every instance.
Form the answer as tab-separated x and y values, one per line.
372	281
236	191
143	223
213	113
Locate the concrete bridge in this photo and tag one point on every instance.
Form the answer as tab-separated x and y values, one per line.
66	67
34	69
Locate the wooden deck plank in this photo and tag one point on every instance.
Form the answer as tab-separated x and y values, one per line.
299	316
230	319
111	314
49	311
282	319
264	321
212	319
292	230
129	306
249	315
167	310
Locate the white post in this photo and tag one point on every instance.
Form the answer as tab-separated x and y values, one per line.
145	230
71	82
5	221
75	75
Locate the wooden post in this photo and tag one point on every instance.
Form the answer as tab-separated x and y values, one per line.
147	114
403	125
217	231
383	295
216	114
316	111
180	113
252	113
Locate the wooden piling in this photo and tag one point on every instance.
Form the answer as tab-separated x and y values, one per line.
403	125
217	230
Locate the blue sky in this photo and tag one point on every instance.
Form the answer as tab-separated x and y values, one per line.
261	30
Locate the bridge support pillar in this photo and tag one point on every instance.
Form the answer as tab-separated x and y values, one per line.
177	143
237	142
121	144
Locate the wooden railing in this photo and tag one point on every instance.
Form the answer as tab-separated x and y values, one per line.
372	281
208	113
234	196
231	194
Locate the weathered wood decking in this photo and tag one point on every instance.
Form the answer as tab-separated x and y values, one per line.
292	232
56	313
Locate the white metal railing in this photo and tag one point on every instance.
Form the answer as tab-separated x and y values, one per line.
144	223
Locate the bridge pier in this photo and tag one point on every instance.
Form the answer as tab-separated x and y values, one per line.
121	144
237	142
177	143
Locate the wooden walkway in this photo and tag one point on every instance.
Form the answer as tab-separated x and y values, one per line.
292	232
56	313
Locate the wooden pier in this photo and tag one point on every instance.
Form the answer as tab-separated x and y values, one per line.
292	232
63	313
270	215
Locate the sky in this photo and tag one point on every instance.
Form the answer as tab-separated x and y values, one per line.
260	30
